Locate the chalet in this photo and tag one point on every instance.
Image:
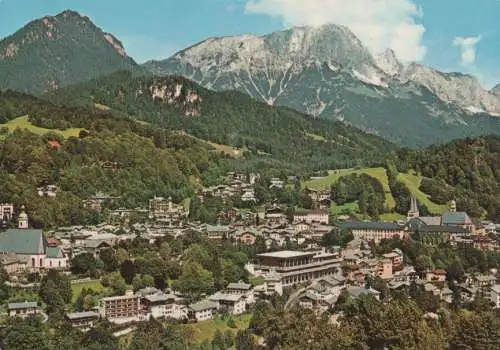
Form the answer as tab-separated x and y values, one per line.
437	275
13	263
54	144
47	191
396	258
248	237
241	288
83	321
356	292
248	196
233	303
203	310
97	202
161	305
276	216
23	309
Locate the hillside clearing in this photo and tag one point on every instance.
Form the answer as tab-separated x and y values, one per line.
24	123
412	181
335	175
205	330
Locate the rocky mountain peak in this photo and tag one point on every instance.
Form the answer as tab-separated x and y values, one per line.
496	90
389	63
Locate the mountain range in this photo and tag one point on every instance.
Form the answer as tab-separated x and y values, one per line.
327	72
321	71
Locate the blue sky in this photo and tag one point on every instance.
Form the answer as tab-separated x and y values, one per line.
452	35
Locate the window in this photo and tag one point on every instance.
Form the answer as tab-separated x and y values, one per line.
33	262
41	262
50	263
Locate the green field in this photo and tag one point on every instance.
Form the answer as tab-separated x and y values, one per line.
335	175
205	330
412	181
24	123
315	137
95	285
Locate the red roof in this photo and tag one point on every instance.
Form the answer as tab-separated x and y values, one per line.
439	272
54	144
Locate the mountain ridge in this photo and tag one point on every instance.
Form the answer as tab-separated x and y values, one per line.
60	50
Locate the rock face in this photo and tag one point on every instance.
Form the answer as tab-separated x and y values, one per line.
56	51
327	72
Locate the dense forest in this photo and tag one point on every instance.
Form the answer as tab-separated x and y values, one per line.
271	137
120	157
465	170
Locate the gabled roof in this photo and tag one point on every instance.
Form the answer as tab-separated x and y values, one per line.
23	241
203	305
79	315
239	286
22	305
54	253
456	218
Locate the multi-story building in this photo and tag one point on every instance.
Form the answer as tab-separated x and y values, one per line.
309	217
295	267
375	231
121	308
218	231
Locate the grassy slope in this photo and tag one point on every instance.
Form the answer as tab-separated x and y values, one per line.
96	286
412	181
205	330
335	175
24	123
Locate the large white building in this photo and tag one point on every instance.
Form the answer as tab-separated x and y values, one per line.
294	267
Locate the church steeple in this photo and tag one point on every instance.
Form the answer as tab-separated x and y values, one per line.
413	212
23	219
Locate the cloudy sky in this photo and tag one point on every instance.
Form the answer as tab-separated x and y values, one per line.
452	35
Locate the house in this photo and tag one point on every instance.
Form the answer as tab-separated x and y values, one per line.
241	288
483	282
234	304
276	216
54	144
248	238
165	211
97	202
23	309
396	258
83	321
161	305
375	231
438	275
202	310
495	295
6	212
385	269
47	191
276	183
248	196
13	263
218	231
356	292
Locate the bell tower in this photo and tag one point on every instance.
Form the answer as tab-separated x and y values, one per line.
23	219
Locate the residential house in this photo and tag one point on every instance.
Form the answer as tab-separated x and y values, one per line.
165	211
483	282
241	288
218	231
310	217
161	305
437	275
248	238
248	196
396	258
23	309
356	292
385	269
83	321
13	263
203	310
97	202
47	191
234	304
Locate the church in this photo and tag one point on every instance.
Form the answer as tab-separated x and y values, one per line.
28	250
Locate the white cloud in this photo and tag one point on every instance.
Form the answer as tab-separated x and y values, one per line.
467	48
380	24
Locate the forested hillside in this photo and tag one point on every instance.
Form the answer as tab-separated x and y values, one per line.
465	170
145	161
272	136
